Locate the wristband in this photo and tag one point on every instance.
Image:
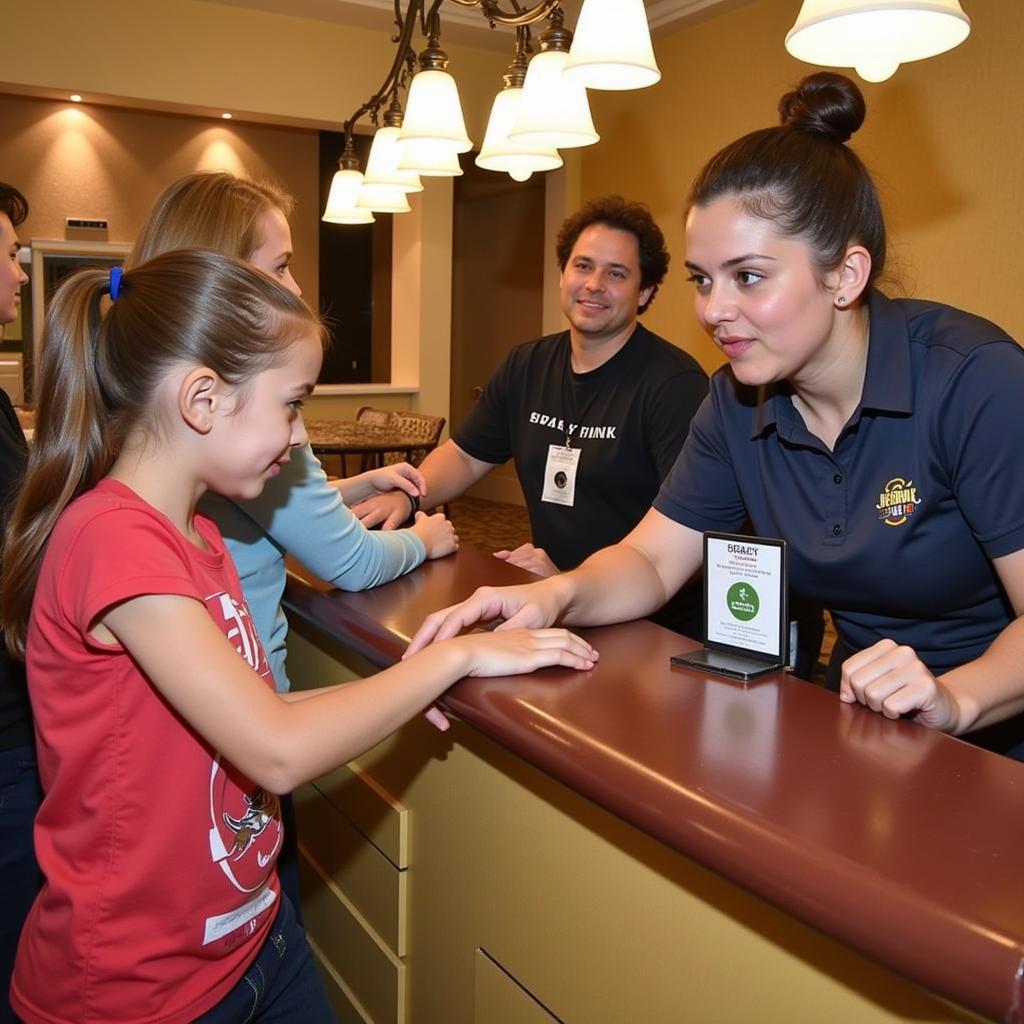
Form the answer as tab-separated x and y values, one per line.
414	504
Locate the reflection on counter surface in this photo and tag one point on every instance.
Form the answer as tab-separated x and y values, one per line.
644	843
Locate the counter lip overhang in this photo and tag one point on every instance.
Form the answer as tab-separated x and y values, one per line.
962	938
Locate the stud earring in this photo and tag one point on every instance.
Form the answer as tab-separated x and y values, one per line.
841	300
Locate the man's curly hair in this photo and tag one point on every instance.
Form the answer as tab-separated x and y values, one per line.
616	212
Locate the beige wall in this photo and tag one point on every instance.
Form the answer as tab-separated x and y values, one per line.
217	57
103	162
187	55
943	138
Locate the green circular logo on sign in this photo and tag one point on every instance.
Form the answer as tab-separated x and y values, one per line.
743	601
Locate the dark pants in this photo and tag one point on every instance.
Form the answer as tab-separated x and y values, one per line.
281	986
20	877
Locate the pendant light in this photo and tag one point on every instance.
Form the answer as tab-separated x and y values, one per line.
875	36
612	46
344	194
429	159
499	152
382	163
433	111
554	111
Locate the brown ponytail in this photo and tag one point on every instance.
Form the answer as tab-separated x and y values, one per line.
100	367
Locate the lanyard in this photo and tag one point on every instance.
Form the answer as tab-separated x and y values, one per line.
570	382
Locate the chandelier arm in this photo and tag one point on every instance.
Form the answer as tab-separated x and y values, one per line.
389	84
493	12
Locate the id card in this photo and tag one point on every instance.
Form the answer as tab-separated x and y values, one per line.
560	475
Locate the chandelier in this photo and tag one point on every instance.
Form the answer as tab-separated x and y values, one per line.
541	108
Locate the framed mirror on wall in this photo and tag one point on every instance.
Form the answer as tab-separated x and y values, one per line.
52	261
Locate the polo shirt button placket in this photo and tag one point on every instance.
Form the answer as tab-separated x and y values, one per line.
835	509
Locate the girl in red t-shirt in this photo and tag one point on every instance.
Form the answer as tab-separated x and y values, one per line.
161	739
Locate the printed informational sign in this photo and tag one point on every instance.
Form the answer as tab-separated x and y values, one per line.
745	586
745	607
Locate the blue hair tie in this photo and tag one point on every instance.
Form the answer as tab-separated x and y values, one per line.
114	287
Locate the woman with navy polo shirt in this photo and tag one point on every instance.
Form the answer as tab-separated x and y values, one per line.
883	439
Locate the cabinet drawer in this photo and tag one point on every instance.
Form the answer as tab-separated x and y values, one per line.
498	998
376	888
373	976
370	808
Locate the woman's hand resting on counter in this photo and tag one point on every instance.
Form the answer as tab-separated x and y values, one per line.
532	559
892	679
530	606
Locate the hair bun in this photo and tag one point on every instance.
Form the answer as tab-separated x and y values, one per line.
825	103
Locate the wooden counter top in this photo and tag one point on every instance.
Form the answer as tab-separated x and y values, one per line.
904	843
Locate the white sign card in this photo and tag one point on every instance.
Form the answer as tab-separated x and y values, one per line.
745	606
744	583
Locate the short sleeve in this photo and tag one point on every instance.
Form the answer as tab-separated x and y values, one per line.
701	491
980	429
673	407
116	555
484	433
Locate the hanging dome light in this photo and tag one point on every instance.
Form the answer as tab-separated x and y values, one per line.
382	163
433	111
499	152
612	46
875	36
429	159
554	112
344	194
382	199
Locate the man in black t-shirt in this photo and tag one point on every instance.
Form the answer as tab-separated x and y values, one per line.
593	417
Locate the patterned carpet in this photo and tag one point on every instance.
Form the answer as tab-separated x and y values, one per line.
490	525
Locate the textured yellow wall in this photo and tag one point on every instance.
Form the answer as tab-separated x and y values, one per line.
102	162
942	137
217	56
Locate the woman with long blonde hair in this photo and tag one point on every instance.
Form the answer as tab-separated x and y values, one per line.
162	741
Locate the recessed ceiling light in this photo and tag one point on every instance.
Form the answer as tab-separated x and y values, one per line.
226	116
75	98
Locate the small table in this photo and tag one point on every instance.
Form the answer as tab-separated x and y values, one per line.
372	441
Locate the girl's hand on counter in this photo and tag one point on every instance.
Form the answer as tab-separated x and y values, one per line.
437	534
530	606
893	680
514	651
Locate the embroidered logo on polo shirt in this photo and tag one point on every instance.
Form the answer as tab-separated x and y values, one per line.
897	501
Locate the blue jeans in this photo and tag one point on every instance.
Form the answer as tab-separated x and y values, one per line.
281	985
20	877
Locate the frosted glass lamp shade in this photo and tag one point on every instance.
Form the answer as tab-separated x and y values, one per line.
433	111
382	163
554	113
429	159
611	48
341	200
875	36
383	199
500	153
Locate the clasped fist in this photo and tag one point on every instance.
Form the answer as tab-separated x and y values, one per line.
892	679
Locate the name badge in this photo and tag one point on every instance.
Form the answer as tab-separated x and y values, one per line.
560	475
